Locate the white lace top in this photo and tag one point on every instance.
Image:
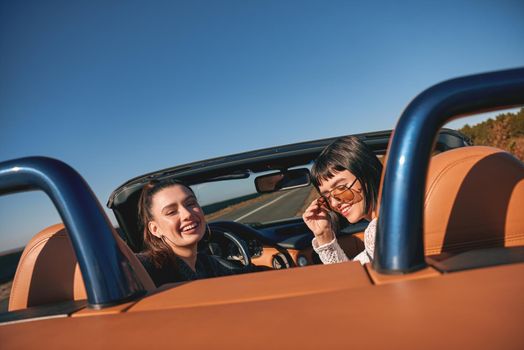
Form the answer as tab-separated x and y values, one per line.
331	252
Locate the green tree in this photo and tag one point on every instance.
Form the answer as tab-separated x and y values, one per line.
506	131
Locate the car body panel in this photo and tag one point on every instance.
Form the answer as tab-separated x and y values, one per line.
452	311
403	300
261	286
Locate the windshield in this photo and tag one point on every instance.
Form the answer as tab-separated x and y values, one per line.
237	200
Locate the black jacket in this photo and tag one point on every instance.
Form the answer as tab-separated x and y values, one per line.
178	271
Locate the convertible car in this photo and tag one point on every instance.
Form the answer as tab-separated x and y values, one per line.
448	257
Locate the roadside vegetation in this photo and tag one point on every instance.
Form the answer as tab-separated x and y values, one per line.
506	131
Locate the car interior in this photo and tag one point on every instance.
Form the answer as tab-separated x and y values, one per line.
464	228
449	247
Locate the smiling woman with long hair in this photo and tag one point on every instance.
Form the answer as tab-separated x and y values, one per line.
173	224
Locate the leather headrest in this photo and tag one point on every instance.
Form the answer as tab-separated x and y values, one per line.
48	271
474	199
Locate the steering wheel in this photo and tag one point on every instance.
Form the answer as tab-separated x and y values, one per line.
225	230
239	234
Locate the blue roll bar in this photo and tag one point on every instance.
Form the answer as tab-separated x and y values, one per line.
400	246
108	276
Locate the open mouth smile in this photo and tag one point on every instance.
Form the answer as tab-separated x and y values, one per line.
190	227
345	209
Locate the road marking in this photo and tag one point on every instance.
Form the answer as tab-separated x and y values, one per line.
262	207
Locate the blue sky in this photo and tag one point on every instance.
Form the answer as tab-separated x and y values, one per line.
120	88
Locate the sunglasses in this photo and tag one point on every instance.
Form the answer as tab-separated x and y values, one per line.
341	193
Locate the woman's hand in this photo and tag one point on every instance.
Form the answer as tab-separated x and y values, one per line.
316	217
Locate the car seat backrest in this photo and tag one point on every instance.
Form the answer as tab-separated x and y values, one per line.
48	271
474	199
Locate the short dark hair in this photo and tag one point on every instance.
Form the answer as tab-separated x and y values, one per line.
352	154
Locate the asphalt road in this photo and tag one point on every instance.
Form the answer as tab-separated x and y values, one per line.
276	206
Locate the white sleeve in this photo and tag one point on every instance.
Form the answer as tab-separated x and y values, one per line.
366	255
362	258
329	253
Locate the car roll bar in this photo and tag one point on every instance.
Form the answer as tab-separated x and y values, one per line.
400	246
108	276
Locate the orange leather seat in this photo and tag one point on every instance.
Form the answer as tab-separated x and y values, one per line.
474	199
48	271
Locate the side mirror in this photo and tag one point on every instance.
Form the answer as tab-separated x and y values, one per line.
283	180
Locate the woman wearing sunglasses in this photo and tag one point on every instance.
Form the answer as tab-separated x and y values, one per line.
347	176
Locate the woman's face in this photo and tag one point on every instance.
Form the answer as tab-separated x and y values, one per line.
353	210
177	216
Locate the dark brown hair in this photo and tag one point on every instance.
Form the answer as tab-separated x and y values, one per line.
352	154
158	250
